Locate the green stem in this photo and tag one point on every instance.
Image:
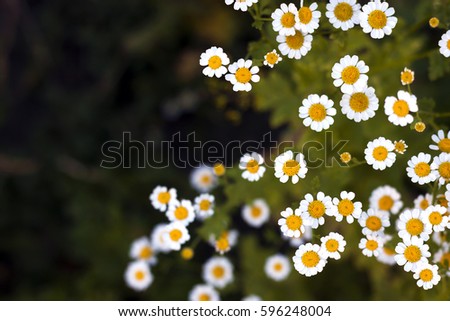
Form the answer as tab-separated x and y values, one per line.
435	189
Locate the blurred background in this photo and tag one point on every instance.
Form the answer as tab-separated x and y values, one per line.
75	74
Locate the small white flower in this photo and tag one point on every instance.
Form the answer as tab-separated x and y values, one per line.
444	44
251	164
441	168
285	19
413	223
316	208
142	249
309	259
138	275
175	235
398	109
374	222
181	211
343	14
287	167
442	256
400	146
162	197
295	242
295	46
277	267
386	198
380	153
214	60
423	201
272	58
242	5
427	276
204	206
292	223
308	18
350	73
203	179
411	253
241	73
386	254
346	207
317	112
218	272
407	77
360	105
158	240
377	18
332	245
442	141
437	218
225	241
419	169
203	292
257	213
371	245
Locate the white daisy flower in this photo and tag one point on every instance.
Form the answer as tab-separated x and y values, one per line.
380	153
442	256
377	18
252	297
204	206
175	235
257	213
214	60
225	241
277	267
442	141
203	292
346	207
287	167
292	223
316	208
419	169
309	259
386	254
360	105
437	218
413	223
407	77
203	179
272	58
400	146
316	112
398	110
295	242
427	276
411	253
218	272
423	201
251	164
142	249
441	168
295	46
371	245
138	275
285	19
308	18
374	222
441	200
162	197
158	240
343	14
241	73
350	73
332	245
181	211
444	44
242	5
386	198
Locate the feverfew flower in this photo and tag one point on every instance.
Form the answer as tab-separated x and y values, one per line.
377	18
158	240
386	198
386	255
285	19
350	73
175	235
374	222
225	241
251	164
218	272
203	179
441	168
241	73
332	245
162	197
442	141
371	245
437	218
287	167
204	206
380	153
407	77
343	14
398	110
444	44
308	18
181	211
309	259
138	275
203	292
242	5
346	207
277	267
411	253
400	146
427	276
272	58
423	201
360	105
316	208
412	223
317	112
419	169
141	249
256	214
214	60
292	223
295	46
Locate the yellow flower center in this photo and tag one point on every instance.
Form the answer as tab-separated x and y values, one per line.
139	275
445	260
218	272
272	58
343	11
181	213
175	235
317	112
371	245
294	222
243	75
388	251
380	153
401	108
406	77
377	19
359	102
346	157
187	253
426	275
310	259
316	209
435	218
219	169
424	204
222	244
448	44
444	170
413	253
444	145
255	211
252	166
420	127
278	266
442	201
295	42
205	179
373	223
288	20
204	205
414	226
350	75
214	62
146	253
422	169
346	207
434	22
332	245
164	197
385	203
400	147
204	297
305	15
291	167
